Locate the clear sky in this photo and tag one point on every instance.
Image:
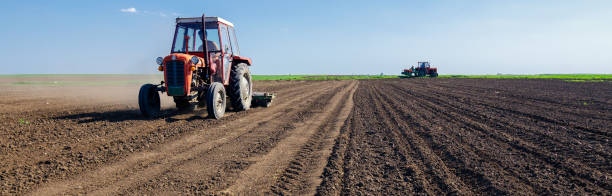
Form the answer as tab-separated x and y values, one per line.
316	37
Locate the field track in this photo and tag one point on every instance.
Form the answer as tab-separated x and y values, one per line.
328	137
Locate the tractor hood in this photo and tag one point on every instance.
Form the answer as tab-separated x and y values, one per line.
178	71
185	58
178	57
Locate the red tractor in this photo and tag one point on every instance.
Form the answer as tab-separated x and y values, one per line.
204	66
422	69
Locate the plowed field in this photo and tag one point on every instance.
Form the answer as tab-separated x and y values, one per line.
392	136
477	136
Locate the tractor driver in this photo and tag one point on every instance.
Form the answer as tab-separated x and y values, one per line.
212	46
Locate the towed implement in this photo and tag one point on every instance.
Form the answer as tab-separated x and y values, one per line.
204	68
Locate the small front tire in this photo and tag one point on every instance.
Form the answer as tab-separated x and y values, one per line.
216	100
148	101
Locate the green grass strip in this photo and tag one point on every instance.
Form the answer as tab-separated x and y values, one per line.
120	81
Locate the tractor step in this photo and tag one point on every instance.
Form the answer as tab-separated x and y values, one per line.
263	99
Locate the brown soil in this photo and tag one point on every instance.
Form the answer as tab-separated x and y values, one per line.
474	136
399	136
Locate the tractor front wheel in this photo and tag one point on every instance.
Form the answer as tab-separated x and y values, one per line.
241	87
148	100
215	100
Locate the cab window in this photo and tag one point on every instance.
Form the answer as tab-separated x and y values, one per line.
195	42
235	48
212	36
227	47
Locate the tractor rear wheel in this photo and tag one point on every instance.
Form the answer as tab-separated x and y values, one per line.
215	100
241	87
148	100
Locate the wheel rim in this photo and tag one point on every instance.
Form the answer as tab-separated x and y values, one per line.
245	88
219	101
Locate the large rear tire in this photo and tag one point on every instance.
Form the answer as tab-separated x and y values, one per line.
148	100
215	100
241	87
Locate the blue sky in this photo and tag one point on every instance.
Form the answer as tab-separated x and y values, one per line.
316	37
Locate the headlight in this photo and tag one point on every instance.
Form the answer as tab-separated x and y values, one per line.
159	60
195	60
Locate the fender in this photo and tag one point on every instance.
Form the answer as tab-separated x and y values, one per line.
239	59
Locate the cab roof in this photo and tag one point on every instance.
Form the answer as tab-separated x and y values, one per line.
207	19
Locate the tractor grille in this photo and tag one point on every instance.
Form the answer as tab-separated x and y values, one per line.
175	77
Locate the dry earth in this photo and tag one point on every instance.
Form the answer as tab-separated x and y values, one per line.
391	137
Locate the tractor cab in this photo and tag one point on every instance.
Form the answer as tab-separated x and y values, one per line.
218	34
423	65
210	38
